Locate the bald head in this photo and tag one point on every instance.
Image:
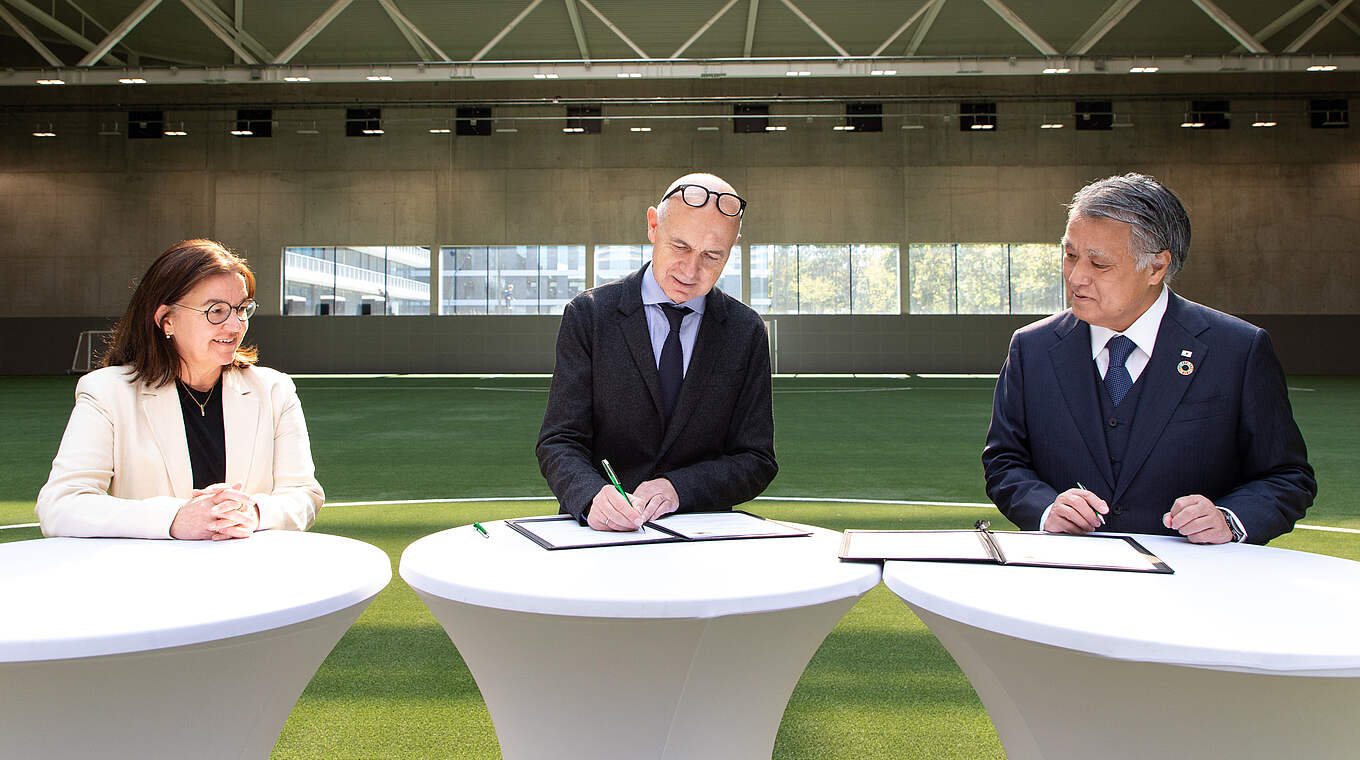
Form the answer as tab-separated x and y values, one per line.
690	244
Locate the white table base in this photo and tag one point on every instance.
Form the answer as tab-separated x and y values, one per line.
226	699
565	687
1050	703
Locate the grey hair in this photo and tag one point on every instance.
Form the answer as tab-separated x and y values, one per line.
1157	218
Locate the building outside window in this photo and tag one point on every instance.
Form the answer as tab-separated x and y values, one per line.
825	279
985	278
511	279
356	280
614	262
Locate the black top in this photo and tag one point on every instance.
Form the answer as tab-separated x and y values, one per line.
204	432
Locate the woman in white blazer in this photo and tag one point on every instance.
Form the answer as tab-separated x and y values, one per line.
180	435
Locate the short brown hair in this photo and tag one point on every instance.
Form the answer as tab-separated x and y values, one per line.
136	338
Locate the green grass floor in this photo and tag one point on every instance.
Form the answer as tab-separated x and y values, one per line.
881	686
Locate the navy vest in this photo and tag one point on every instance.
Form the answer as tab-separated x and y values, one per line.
1117	421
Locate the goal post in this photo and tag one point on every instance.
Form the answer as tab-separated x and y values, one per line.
90	345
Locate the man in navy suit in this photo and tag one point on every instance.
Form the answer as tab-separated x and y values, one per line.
664	375
1136	410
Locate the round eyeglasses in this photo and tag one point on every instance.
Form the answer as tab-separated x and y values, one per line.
218	311
729	204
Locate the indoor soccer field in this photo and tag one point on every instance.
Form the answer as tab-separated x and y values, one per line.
404	456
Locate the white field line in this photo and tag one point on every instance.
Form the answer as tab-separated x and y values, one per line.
809	499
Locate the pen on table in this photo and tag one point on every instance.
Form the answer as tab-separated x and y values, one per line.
1084	488
481	530
615	480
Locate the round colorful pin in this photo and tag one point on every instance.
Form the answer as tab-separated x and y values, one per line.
1185	368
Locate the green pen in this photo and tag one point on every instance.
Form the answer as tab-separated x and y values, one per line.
481	530
615	480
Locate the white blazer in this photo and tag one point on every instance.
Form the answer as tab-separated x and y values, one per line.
123	466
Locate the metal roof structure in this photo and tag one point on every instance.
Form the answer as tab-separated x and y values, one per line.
216	41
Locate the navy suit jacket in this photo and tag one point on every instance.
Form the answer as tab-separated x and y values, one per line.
605	403
1224	430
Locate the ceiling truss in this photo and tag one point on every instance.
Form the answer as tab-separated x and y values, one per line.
249	51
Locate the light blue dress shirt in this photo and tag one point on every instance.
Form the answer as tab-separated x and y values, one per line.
657	324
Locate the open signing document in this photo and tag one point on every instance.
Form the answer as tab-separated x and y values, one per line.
563	532
1093	552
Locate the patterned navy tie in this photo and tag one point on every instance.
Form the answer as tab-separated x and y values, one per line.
1118	381
672	364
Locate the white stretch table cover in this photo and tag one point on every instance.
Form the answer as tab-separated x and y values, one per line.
662	651
1230	607
127	649
84	597
701	579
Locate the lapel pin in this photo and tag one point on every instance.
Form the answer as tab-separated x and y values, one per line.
1187	353
1185	368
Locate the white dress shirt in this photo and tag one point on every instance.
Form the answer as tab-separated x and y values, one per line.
658	326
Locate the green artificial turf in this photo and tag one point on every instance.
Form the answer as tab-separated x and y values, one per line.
880	686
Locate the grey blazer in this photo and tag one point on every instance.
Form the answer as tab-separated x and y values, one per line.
605	403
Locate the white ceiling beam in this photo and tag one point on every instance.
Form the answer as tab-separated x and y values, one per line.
29	37
119	32
1231	27
312	30
1285	19
613	28
924	28
1343	18
750	27
813	26
222	34
1317	26
508	28
693	38
575	16
910	20
238	21
1102	26
210	9
416	45
1014	21
64	31
409	29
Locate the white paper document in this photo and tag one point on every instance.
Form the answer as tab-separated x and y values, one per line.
1077	551
702	525
566	533
1038	549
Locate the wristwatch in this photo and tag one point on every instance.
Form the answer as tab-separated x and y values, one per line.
1238	532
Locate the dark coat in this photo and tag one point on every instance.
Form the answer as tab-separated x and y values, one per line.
605	403
1224	429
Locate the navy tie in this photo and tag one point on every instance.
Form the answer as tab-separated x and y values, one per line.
1118	381
672	364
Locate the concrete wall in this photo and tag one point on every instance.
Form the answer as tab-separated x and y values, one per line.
82	215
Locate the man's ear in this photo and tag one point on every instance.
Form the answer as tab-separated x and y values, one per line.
653	218
1160	265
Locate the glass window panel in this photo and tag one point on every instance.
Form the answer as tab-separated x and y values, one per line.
730	279
562	274
983	286
782	284
875	284
360	272
308	281
614	262
465	288
408	280
931	277
1036	278
513	267
823	279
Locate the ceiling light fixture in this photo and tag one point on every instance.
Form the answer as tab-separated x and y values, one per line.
41	131
774	128
1322	67
629	75
510	130
883	73
53	80
176	131
131	80
573	130
706	128
1051	125
639	129
242	133
798	73
844	128
545	76
297	78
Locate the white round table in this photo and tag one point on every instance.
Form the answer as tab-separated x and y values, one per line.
1245	652
132	648
653	651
